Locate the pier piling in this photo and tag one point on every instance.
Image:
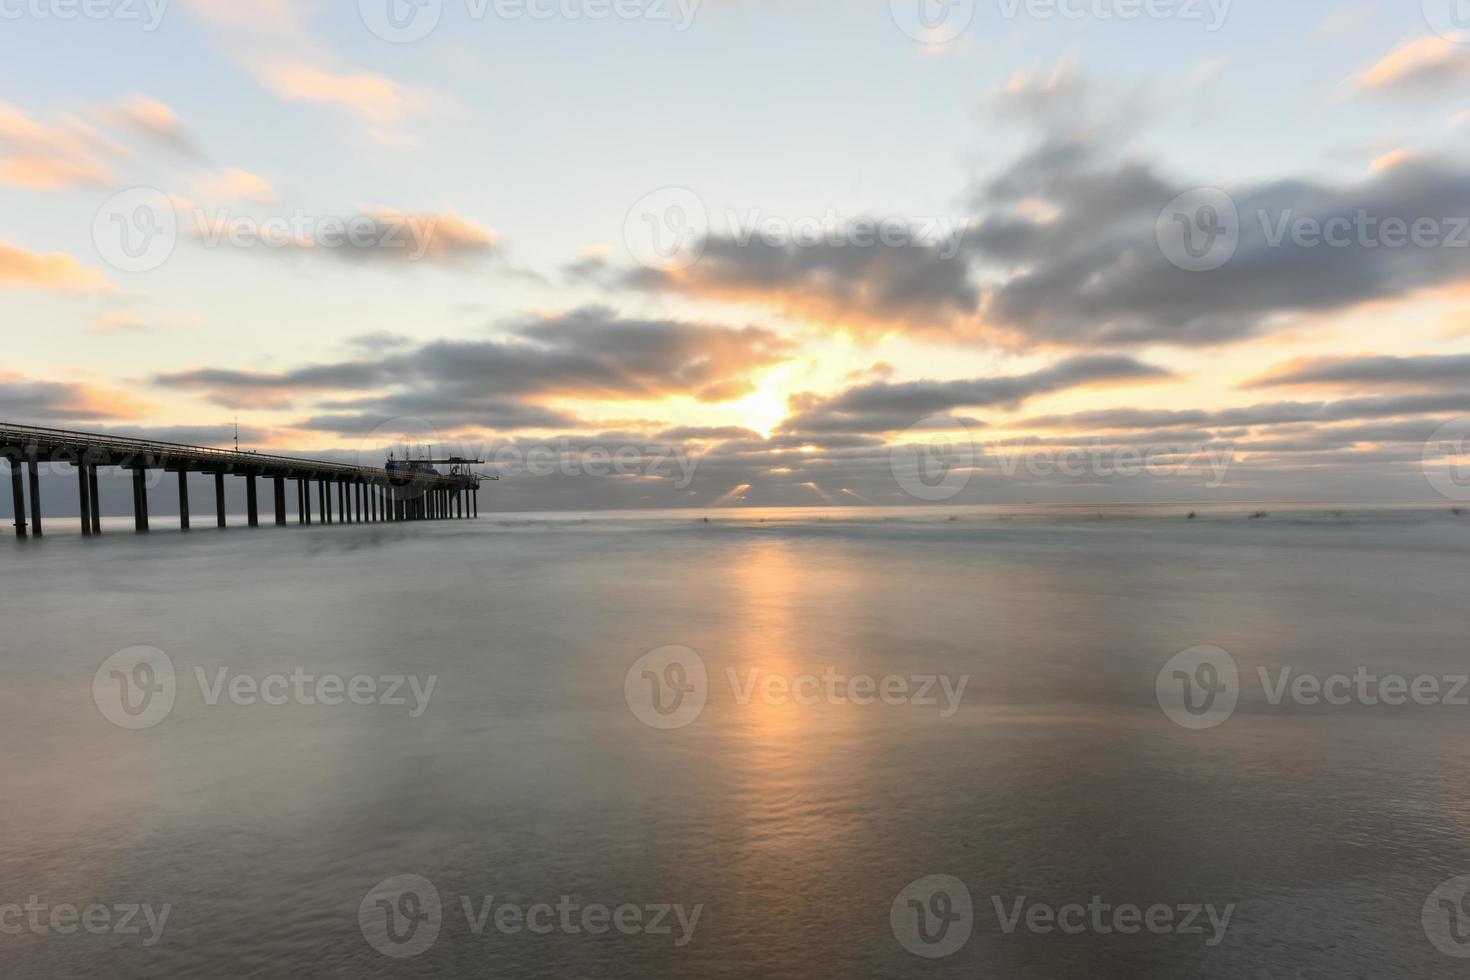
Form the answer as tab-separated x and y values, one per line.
18	495
84	506
183	500
140	498
34	466
93	499
250	502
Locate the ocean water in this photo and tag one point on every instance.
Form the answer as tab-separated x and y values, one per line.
1036	790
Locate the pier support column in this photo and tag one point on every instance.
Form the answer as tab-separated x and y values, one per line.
219	498
475	502
18	495
140	499
250	507
34	466
93	499
84	506
321	502
183	500
301	508
280	489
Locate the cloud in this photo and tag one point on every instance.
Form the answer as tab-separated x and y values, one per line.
273	41
23	400
373	98
1095	275
469	411
152	119
1430	370
709	433
588	354
117	323
41	157
53	270
881	407
382	235
1267	414
860	289
235	184
1061	247
1430	65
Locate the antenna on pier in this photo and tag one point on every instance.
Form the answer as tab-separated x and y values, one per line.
237	433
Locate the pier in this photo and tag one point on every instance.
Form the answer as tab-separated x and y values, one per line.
345	494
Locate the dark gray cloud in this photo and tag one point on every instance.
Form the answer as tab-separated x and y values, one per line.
721	433
912	280
1430	370
1094	274
49	402
882	406
590	353
1060	248
1273	413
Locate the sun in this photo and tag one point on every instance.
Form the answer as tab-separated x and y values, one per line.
762	410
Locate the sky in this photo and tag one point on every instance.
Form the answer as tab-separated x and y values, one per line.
724	253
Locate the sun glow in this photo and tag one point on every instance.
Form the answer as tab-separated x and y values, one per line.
762	410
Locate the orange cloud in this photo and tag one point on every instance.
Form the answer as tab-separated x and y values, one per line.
373	98
116	322
1392	159
35	156
54	270
150	118
236	183
1427	63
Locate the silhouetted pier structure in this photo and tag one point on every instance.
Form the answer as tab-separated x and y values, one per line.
363	494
